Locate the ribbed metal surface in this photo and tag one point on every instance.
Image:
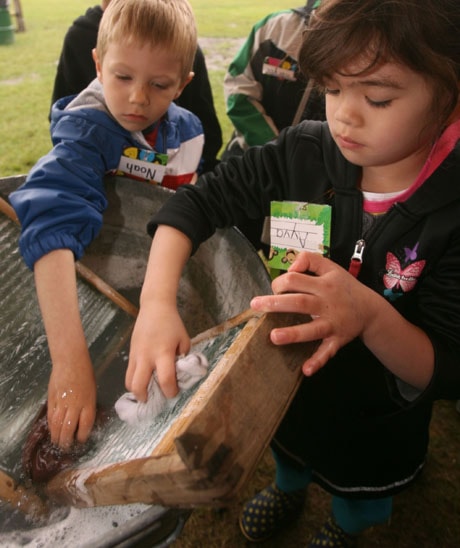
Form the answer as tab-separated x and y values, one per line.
24	358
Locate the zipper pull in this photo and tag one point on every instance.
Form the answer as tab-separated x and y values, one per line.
357	258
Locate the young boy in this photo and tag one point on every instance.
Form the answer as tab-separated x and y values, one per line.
144	56
76	70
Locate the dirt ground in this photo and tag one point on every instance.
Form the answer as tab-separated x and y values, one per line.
219	52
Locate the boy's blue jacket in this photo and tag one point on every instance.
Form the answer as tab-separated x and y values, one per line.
61	203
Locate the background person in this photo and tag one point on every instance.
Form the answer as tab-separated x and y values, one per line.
264	87
265	90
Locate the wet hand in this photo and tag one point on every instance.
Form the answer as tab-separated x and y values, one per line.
71	405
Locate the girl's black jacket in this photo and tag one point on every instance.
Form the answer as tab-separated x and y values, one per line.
352	422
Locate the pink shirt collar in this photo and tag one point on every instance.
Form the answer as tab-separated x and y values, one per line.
441	149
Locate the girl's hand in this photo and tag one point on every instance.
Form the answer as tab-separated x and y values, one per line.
338	303
71	403
159	336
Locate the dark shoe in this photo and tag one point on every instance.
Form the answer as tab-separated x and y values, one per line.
331	535
269	511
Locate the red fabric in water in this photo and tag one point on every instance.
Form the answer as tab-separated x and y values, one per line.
41	459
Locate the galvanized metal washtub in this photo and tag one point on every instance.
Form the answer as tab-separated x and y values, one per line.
212	290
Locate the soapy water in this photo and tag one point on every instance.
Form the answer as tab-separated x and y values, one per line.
24	373
24	356
118	441
70	527
115	442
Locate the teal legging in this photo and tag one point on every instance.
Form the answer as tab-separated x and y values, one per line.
356	515
352	515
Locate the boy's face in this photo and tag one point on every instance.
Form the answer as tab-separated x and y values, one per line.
139	83
381	119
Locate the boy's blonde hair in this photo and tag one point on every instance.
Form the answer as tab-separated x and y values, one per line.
167	24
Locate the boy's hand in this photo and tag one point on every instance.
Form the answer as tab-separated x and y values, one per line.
71	403
158	337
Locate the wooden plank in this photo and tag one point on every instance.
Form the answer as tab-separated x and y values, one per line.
217	330
163	478
150	480
21	26
22	498
213	447
246	400
87	274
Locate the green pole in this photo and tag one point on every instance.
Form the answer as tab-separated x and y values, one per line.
6	27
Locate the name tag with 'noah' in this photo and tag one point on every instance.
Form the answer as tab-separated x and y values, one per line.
143	165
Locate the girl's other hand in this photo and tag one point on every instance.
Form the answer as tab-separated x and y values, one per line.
338	303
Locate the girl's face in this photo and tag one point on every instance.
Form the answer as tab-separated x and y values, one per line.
139	83
382	121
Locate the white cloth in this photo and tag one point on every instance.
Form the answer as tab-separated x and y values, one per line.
189	370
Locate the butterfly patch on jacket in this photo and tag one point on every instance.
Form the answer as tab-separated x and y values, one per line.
402	278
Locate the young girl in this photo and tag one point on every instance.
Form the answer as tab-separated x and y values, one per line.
387	162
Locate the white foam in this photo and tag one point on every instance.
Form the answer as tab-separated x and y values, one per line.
80	527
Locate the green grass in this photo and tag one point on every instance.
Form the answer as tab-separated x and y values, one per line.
230	18
28	67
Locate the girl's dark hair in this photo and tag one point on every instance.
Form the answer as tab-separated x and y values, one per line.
421	34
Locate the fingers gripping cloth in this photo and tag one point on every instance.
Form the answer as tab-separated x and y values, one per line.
189	370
